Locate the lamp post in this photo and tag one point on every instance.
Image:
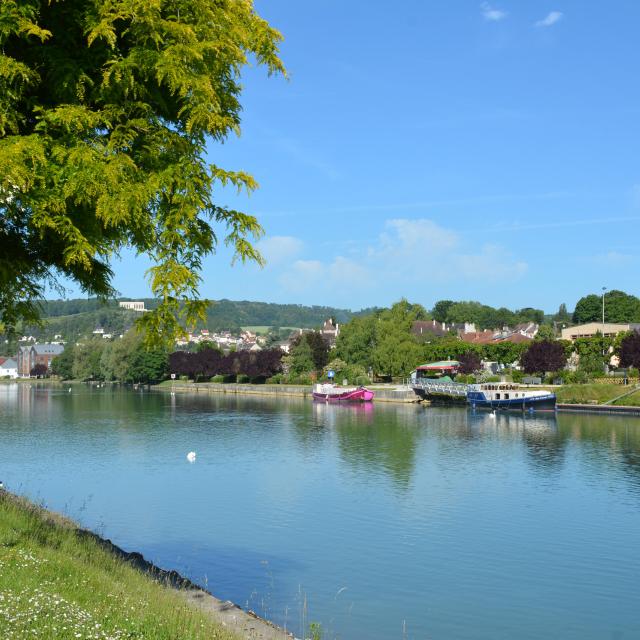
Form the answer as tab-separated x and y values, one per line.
603	347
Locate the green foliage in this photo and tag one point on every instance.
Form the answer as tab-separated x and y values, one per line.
219	379
301	359
318	345
242	378
484	316
86	360
356	340
106	109
62	365
563	316
545	332
618	307
440	310
396	351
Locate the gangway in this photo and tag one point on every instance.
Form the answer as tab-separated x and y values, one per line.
425	388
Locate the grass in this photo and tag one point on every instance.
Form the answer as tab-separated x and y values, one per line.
59	584
595	393
263	329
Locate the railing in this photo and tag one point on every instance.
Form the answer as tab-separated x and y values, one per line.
442	388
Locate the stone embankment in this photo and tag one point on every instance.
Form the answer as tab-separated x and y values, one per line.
382	394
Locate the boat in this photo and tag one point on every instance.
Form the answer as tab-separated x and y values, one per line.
509	396
331	393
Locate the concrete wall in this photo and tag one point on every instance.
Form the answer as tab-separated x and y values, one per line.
280	390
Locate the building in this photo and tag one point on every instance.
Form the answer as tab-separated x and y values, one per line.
527	329
589	330
330	331
133	305
8	368
30	356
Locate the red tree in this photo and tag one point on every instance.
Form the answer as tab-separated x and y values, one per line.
469	362
545	355
630	350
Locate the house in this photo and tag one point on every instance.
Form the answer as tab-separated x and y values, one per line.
528	329
30	356
589	330
330	331
8	368
427	328
132	305
479	337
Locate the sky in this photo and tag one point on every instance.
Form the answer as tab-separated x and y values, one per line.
460	150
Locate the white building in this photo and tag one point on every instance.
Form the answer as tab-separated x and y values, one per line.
8	368
133	305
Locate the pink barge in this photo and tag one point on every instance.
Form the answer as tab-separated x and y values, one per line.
331	393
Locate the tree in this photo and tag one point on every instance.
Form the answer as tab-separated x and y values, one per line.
563	315
318	345
469	362
545	355
106	109
618	307
588	309
301	359
545	332
630	350
62	365
441	309
396	351
39	370
356	340
86	360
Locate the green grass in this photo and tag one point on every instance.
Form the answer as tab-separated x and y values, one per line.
58	584
263	329
595	393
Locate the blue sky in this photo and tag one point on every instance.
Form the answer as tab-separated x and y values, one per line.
461	150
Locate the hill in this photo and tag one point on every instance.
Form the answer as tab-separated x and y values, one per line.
72	319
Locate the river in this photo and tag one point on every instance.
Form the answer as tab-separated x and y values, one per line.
378	522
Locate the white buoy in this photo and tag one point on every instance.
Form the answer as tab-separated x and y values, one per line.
191	456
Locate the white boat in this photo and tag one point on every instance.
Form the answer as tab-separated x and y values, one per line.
509	396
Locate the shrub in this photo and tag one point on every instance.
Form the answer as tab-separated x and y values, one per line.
242	378
184	378
218	379
492	379
517	375
277	379
362	380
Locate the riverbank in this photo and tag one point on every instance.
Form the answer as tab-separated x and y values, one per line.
387	393
60	582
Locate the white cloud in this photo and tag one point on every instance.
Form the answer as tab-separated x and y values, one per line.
279	249
405	256
550	20
492	14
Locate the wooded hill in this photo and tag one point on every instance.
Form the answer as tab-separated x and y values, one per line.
74	318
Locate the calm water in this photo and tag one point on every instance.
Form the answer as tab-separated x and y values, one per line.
387	521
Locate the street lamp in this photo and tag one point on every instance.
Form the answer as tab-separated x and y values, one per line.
603	347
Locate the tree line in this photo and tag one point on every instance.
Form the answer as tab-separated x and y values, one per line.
240	366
